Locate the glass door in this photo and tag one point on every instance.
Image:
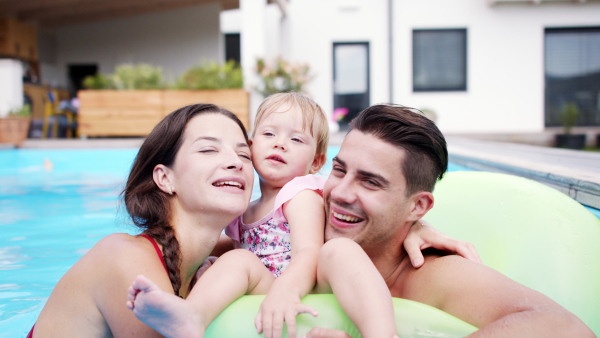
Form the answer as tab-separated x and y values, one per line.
350	80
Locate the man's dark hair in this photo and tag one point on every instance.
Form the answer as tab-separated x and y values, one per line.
426	158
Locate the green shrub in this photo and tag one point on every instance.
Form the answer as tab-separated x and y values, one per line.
208	75
140	76
98	81
211	75
24	111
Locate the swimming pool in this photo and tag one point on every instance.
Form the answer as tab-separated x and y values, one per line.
54	206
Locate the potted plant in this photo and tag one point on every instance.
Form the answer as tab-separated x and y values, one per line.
568	117
15	126
281	76
135	98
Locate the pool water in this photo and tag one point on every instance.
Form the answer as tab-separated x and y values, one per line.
54	206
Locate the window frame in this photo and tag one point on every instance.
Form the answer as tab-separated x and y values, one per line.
433	88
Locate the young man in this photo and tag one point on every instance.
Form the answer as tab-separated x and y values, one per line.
380	185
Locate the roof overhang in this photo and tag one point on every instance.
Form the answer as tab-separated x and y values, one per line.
54	13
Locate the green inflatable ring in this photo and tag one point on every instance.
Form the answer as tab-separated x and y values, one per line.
532	233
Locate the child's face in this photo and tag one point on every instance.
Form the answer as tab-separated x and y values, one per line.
282	149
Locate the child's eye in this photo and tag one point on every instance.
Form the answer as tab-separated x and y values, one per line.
295	139
268	133
204	151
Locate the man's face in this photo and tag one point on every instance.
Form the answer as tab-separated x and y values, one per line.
365	192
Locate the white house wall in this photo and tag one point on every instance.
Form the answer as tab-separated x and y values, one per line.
505	63
505	53
174	40
316	25
307	34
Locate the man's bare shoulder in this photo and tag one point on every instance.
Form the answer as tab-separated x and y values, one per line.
439	272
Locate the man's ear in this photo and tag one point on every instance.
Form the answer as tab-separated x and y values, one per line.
250	142
422	203
162	178
318	163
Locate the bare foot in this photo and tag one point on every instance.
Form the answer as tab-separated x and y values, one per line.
166	313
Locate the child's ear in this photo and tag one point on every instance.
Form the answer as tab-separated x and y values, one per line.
317	163
250	142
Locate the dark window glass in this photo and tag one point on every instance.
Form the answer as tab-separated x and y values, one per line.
572	72
232	47
439	60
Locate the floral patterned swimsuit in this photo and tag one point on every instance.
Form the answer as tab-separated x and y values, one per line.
269	237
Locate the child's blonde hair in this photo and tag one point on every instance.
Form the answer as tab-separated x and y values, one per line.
313	114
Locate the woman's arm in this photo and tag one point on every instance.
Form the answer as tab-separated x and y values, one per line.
120	259
306	218
89	300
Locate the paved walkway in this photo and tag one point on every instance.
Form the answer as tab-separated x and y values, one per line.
576	173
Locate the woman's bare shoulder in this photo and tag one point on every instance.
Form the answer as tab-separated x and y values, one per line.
120	242
122	249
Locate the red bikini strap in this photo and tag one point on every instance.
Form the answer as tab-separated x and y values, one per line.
158	252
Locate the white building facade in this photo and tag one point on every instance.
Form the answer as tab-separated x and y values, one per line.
483	67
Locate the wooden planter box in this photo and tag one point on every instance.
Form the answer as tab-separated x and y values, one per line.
14	130
136	112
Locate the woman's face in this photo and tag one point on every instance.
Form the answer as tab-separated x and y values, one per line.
212	173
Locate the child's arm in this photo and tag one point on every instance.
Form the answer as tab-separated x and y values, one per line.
223	245
347	271
422	236
306	218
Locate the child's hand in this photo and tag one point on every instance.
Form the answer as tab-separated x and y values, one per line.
277	308
422	236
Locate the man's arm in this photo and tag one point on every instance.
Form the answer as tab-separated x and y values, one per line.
489	300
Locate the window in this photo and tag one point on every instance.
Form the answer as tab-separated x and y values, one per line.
439	60
572	74
351	89
232	47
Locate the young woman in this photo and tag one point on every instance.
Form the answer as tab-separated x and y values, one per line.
191	177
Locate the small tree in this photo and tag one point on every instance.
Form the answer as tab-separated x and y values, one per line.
568	116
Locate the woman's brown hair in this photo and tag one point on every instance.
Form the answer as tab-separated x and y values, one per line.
147	205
